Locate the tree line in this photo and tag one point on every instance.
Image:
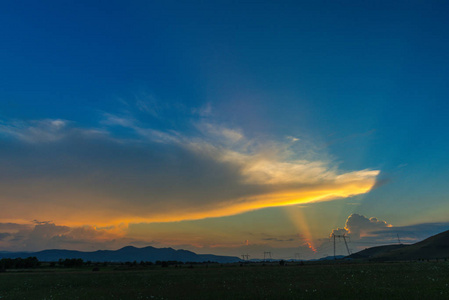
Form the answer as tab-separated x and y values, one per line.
19	263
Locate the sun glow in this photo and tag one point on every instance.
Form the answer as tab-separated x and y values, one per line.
297	217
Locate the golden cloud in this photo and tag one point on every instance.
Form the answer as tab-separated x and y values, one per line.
82	178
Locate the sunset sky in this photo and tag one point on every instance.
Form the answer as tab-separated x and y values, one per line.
223	127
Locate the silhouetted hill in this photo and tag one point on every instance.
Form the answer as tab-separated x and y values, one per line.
128	253
375	251
434	247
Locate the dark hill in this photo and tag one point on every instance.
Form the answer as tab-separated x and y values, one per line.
128	253
375	251
434	247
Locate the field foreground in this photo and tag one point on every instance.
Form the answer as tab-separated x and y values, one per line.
414	280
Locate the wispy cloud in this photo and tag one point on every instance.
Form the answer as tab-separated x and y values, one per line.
73	176
203	111
46	130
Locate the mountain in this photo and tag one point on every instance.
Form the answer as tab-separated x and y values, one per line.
434	247
124	254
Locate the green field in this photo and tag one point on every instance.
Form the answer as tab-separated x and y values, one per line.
415	280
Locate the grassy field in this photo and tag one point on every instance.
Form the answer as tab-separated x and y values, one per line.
416	280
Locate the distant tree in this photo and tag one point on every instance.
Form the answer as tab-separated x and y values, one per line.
72	262
19	263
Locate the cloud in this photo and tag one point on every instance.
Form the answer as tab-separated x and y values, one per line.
359	226
203	111
4	235
47	235
292	138
339	231
13	227
46	130
96	176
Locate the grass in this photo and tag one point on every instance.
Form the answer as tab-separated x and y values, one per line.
416	280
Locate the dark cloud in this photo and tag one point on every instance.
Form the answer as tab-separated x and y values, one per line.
14	226
4	235
278	240
45	235
147	176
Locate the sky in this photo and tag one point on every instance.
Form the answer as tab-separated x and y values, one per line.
223	127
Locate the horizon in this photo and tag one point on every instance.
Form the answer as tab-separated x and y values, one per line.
223	128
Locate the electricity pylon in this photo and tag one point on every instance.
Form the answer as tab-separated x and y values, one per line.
344	238
267	255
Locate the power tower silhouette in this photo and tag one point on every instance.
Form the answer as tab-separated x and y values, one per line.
297	256
267	255
245	257
344	238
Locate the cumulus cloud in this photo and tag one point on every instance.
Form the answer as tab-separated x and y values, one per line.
339	231
79	176
359	226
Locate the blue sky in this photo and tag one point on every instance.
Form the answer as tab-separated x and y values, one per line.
180	111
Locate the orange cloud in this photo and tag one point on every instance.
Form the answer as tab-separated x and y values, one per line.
79	176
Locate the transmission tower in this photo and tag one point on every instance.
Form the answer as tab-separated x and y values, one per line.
344	238
399	240
245	257
297	256
267	255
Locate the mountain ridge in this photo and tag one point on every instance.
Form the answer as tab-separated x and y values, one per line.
127	253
